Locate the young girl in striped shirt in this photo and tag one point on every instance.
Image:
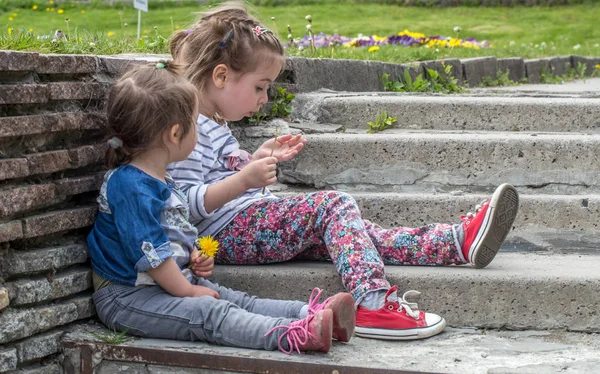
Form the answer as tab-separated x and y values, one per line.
232	59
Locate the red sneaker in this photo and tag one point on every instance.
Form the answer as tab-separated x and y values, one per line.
488	227
397	320
342	306
312	333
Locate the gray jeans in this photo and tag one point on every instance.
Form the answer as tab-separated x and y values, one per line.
236	320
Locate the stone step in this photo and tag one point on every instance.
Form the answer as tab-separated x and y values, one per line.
465	351
565	215
516	291
400	160
452	112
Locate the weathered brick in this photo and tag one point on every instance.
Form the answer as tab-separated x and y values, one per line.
8	359
18	61
87	155
514	66
4	298
117	66
560	65
440	67
475	69
36	368
23	262
38	346
24	94
77	185
48	162
20	199
21	125
64	121
23	322
57	221
76	91
67	64
535	67
38	289
11	230
14	168
589	62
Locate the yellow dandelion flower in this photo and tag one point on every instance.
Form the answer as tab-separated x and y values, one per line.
30	30
9	30
51	2
208	246
82	11
34	7
176	27
598	66
14	14
60	11
373	48
10	18
110	33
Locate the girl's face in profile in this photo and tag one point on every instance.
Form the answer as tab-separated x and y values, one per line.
244	94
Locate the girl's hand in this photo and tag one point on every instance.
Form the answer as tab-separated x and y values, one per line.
202	266
198	291
286	148
259	173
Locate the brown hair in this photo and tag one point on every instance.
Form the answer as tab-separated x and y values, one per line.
144	102
224	35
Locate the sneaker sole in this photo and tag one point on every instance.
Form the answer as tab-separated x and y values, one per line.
344	317
407	334
497	223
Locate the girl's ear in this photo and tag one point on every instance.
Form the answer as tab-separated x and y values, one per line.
219	75
174	135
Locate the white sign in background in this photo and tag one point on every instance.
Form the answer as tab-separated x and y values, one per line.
141	5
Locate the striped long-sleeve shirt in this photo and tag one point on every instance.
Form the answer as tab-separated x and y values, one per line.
207	165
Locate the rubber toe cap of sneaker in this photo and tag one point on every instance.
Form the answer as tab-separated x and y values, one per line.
432	319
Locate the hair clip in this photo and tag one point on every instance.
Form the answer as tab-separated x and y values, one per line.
259	30
160	65
187	32
226	39
115	142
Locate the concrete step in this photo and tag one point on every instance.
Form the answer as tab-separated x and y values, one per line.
403	161
516	291
452	112
579	214
465	351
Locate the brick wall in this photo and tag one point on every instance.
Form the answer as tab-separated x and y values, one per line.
51	167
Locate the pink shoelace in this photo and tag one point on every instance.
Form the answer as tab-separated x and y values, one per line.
313	301
297	334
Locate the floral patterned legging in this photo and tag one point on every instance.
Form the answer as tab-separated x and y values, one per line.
327	225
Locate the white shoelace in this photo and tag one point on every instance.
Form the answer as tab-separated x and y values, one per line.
408	306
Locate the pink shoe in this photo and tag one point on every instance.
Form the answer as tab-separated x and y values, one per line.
486	229
312	333
342	306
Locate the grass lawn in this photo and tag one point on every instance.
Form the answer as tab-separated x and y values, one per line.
524	31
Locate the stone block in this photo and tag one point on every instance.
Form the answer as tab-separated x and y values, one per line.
76	91
20	199
14	168
339	75
4	298
87	155
474	69
589	62
67	64
24	94
14	262
93	121
514	66
10	231
115	66
45	368
440	67
21	125
18	61
535	67
77	185
23	322
40	289
65	121
38	346
57	221
8	359
48	162
560	65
